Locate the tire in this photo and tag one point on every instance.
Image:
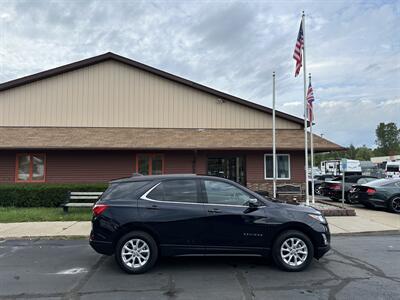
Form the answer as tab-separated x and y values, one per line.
284	242
132	261
394	204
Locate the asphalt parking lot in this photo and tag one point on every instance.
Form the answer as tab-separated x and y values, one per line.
358	267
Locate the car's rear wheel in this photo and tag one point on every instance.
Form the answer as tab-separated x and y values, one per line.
394	204
136	252
292	251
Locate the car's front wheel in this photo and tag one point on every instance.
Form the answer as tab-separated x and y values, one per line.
292	251
136	252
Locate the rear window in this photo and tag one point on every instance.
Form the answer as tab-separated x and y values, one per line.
381	182
122	190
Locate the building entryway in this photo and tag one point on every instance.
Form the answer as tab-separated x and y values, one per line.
230	167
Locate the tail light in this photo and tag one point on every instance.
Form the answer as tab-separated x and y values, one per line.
371	191
336	186
98	209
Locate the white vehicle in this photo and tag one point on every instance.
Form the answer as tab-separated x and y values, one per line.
334	167
392	169
330	167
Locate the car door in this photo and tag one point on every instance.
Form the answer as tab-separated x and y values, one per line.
172	210
232	224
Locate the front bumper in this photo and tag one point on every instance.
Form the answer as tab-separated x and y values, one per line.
320	251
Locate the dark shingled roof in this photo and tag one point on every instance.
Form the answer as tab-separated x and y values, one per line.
156	138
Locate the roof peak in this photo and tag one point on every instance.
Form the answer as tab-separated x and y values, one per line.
110	55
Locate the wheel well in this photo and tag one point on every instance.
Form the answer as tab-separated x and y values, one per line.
299	227
393	196
135	227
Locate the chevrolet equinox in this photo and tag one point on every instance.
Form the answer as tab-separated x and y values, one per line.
142	217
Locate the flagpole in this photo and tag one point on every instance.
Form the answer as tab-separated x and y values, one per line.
273	137
305	108
311	117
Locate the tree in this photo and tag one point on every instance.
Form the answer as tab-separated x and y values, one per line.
363	153
387	139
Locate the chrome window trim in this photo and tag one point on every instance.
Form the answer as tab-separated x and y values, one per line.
144	197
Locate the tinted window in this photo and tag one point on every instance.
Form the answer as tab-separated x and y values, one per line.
123	190
184	190
223	193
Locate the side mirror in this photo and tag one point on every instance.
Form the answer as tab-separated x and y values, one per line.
253	202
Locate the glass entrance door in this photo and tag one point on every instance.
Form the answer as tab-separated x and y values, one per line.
230	167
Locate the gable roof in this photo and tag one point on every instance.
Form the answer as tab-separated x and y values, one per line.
112	56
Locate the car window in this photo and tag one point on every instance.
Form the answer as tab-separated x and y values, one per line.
122	190
184	190
224	193
362	181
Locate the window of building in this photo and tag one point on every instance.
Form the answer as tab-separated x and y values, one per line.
184	190
30	167
282	166
150	164
225	193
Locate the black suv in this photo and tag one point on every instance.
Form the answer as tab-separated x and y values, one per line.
142	217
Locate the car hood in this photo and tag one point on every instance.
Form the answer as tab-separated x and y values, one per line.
298	208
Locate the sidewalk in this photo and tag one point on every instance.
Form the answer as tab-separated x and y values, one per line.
365	221
44	229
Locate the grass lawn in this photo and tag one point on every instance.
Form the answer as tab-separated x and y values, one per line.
36	214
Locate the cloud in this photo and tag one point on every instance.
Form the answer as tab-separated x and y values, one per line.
352	50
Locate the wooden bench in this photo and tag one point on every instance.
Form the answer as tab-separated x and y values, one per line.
289	191
92	196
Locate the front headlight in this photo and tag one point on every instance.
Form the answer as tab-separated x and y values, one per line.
319	218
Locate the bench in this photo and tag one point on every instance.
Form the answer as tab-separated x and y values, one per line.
92	196
289	191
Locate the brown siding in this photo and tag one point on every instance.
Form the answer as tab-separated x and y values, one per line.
178	162
7	167
255	170
88	166
101	166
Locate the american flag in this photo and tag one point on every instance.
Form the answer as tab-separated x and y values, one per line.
297	55
310	100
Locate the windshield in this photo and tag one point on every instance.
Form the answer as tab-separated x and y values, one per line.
392	168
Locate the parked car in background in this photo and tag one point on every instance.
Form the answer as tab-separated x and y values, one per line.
392	169
318	179
379	193
140	218
333	189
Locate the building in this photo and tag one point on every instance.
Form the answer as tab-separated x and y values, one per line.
108	117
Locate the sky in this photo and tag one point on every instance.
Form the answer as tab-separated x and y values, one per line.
352	50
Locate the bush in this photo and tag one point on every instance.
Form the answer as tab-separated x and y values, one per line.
44	195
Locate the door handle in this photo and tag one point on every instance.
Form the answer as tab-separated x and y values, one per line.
153	207
215	211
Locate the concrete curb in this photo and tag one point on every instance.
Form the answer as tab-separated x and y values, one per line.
49	237
367	233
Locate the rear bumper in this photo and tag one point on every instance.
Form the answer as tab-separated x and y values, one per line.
364	198
101	247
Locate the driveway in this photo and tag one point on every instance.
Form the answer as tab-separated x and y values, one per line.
358	267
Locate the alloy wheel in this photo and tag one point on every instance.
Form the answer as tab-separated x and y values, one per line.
294	251
135	253
396	204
